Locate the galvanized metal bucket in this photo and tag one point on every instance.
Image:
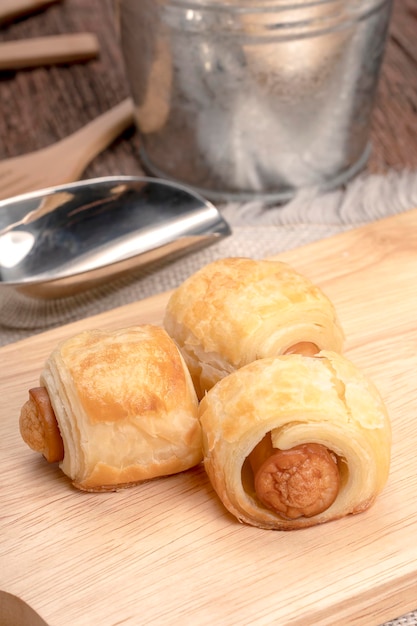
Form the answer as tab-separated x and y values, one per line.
254	98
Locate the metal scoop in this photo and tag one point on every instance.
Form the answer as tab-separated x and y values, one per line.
61	240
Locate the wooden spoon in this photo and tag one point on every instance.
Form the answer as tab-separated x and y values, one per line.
65	160
51	50
11	9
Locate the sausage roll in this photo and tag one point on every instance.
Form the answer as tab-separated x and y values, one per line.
115	408
294	441
236	310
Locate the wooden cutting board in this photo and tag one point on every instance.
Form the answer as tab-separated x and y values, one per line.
166	552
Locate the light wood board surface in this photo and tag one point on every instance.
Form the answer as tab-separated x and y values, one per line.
166	552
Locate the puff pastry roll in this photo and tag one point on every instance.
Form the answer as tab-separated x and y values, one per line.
115	408
295	441
236	310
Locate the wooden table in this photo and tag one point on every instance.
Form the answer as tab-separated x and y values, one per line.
40	106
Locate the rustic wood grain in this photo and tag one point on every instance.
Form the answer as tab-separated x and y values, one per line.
166	551
43	105
394	124
65	160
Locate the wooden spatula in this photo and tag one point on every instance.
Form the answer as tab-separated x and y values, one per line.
51	50
64	161
11	9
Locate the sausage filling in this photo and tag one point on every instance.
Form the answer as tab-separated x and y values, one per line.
39	426
301	481
306	348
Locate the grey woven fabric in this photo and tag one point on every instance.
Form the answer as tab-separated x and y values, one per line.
258	231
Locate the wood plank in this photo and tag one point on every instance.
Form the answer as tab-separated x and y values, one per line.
166	551
41	107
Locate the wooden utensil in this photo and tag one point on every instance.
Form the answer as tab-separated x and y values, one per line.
11	9
52	50
65	160
166	551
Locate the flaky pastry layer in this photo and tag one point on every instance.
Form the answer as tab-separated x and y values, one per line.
236	310
125	405
296	400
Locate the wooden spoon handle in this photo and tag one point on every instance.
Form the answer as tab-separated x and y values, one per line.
94	137
52	50
11	9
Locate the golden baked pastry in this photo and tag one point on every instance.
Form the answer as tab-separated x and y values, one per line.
115	408
236	310
294	441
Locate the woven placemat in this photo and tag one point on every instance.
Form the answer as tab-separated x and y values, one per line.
259	231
